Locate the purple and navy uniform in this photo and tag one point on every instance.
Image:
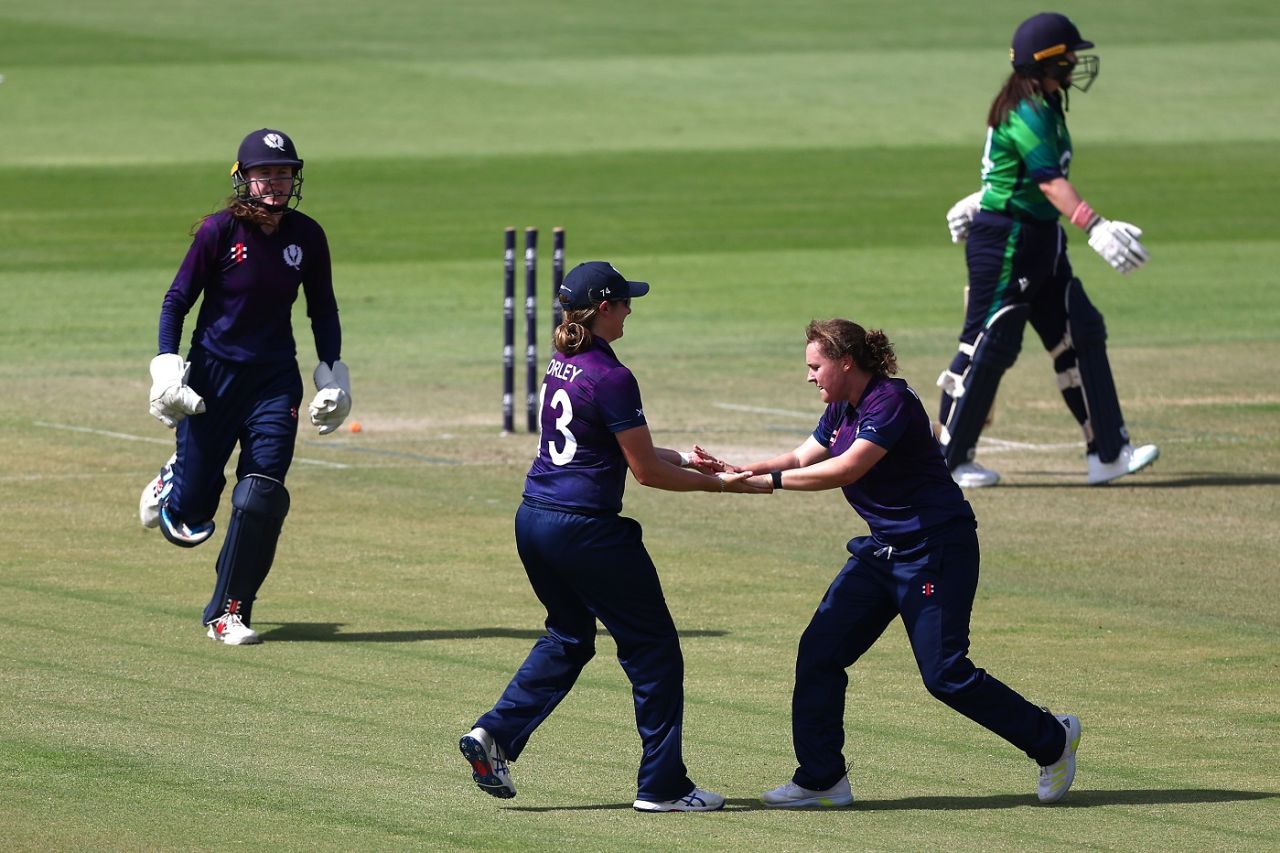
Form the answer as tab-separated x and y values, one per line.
587	562
243	354
919	562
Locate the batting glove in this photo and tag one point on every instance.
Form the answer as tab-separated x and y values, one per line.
961	214
1118	244
171	398
332	402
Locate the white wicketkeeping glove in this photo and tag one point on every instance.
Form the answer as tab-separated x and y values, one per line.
961	214
332	402
1118	244
171	398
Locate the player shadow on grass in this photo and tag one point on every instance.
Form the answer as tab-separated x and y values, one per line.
1076	799
1198	479
329	632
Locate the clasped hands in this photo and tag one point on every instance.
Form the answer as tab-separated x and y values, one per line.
732	477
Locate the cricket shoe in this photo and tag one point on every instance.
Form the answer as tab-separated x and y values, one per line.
792	796
488	763
1130	461
181	534
1056	779
153	493
971	475
697	800
230	628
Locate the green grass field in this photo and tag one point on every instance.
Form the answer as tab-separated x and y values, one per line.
762	164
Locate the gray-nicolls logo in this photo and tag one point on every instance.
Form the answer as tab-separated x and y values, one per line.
274	140
293	256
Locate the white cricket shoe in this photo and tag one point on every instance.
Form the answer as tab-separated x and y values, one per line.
792	796
971	475
1056	779
697	800
1130	461
153	492
182	534
488	763
230	629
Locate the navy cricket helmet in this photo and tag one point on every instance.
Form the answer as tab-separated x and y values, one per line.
266	147
1040	47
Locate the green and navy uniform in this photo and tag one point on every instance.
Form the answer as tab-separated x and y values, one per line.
1017	253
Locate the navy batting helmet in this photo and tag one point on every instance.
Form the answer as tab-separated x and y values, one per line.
266	147
1040	47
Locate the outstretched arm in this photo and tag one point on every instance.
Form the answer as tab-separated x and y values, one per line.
808	453
659	468
830	473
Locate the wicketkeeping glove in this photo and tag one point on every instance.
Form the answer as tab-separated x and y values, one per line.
332	402
171	398
1118	244
961	214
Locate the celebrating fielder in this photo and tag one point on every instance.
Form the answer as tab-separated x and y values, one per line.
874	441
240	381
586	562
1018	266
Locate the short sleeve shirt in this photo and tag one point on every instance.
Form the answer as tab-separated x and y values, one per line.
909	492
1030	147
584	400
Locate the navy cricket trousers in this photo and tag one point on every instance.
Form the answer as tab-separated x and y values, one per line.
255	405
932	587
584	568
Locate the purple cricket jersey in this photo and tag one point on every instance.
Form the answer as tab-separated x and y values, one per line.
909	492
250	281
584	400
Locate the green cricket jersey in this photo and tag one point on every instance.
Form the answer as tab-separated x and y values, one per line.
1030	147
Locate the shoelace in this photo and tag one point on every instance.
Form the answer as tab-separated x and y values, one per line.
227	620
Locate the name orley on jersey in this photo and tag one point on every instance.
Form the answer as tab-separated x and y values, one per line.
559	369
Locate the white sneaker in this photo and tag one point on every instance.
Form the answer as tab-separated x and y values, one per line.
230	629
792	796
697	800
488	764
1130	461
971	475
1056	779
182	534
153	492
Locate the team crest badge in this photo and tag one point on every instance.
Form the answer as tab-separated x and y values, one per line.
293	256
274	140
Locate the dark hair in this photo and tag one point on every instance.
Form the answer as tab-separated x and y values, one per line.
242	210
573	335
837	338
1015	90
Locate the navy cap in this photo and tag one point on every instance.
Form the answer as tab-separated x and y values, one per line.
1044	36
594	282
267	147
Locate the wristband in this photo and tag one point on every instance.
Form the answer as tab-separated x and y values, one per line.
1083	216
686	459
776	477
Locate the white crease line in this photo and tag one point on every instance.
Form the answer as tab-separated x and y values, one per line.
994	445
734	407
124	436
1026	445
